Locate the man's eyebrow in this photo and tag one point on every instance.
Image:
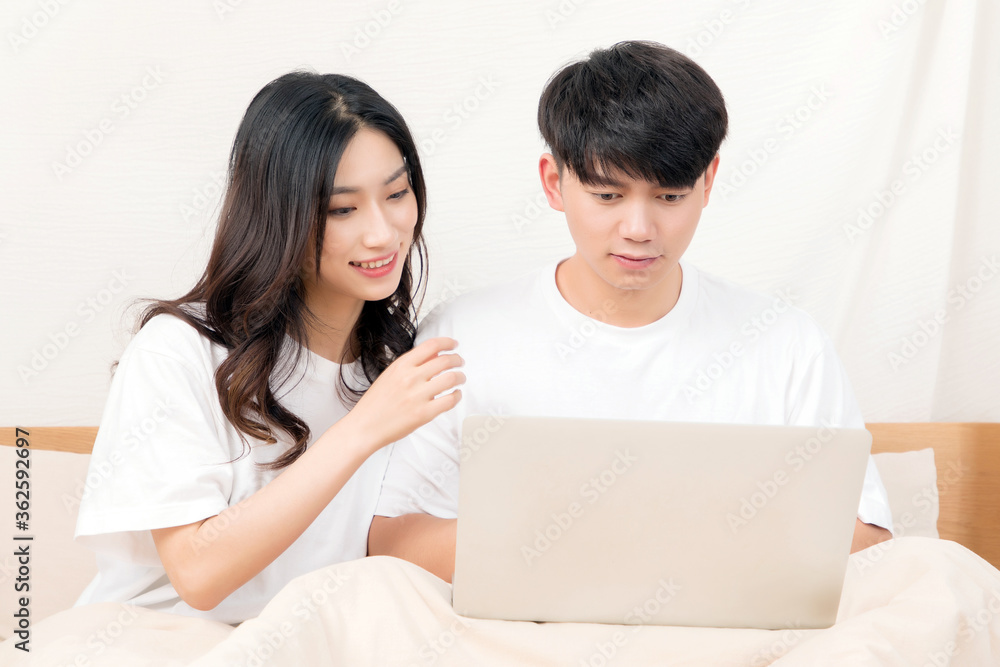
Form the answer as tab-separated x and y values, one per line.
396	174
605	181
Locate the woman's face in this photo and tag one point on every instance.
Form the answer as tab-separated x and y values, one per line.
369	227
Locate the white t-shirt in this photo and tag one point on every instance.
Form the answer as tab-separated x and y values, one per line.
165	455
722	354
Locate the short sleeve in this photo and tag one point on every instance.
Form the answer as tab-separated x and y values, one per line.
821	393
161	457
422	473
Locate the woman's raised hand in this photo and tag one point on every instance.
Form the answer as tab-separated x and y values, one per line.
198	557
406	395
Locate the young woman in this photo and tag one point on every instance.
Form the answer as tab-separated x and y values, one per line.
242	441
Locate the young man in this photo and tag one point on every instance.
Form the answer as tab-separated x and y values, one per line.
624	328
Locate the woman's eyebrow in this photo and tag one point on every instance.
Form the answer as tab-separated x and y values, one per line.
396	174
349	190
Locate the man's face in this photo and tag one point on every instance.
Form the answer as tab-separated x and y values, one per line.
629	233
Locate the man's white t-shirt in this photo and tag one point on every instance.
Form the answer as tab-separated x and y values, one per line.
165	455
722	354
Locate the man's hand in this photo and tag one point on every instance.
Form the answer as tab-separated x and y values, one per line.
422	539
866	535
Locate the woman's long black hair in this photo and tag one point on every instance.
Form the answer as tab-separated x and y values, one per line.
281	174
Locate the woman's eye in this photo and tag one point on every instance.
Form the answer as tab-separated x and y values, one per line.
400	194
339	211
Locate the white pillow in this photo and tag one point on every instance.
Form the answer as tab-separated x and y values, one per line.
910	478
60	568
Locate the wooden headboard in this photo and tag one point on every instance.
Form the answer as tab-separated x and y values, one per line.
76	439
967	456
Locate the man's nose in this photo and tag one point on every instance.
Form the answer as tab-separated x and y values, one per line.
637	223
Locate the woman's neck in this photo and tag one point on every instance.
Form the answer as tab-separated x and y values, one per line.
330	336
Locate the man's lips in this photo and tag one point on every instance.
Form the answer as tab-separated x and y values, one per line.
636	258
633	262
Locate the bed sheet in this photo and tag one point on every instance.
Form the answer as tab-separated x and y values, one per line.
912	601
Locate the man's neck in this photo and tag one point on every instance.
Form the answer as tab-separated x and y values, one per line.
594	297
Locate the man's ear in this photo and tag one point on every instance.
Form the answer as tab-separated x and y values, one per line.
713	168
549	173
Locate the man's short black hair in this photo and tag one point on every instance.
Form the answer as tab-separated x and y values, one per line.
639	108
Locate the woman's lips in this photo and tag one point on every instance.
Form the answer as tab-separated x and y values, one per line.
378	271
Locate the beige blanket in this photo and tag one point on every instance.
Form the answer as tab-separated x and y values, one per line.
912	601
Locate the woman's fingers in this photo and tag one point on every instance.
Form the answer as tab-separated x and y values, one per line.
448	401
430	349
406	395
444	382
440	364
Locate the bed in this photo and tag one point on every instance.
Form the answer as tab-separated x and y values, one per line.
931	596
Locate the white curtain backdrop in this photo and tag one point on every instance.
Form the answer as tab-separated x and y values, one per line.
859	179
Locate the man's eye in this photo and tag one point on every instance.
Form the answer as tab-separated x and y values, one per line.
399	195
606	196
673	198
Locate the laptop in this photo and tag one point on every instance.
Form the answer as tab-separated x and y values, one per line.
651	522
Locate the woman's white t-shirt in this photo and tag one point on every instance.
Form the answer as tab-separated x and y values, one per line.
165	455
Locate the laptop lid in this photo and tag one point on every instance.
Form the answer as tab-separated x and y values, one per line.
614	521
